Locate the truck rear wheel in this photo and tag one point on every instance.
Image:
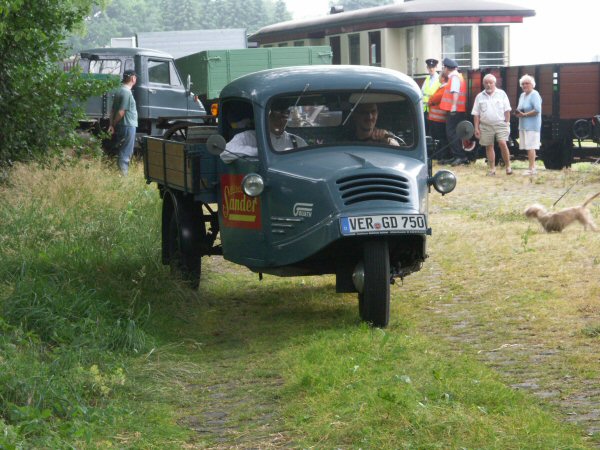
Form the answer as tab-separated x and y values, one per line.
183	265
374	301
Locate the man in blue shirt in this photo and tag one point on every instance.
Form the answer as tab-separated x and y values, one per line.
124	120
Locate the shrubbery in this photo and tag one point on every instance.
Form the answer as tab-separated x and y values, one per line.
39	103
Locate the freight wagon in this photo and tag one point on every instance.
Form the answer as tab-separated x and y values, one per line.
570	110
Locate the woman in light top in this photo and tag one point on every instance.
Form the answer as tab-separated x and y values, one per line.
529	112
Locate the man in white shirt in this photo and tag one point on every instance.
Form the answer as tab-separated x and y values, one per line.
491	114
244	145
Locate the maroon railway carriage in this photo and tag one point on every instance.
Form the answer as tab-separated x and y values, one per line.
570	111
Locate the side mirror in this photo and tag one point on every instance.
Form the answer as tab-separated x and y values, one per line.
464	130
215	144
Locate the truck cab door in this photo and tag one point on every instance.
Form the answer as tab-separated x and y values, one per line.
241	219
167	96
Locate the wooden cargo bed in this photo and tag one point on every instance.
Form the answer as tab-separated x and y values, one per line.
184	166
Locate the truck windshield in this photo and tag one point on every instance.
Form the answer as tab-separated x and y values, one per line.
332	118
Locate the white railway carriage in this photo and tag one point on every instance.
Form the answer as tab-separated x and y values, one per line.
402	36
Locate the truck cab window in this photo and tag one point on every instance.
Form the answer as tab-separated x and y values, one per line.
159	72
349	118
163	72
175	81
129	64
105	66
238	116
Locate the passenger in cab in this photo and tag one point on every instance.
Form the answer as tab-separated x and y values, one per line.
245	144
364	121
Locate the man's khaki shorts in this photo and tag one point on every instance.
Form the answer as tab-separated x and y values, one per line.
500	131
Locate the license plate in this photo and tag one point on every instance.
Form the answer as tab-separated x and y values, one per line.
399	223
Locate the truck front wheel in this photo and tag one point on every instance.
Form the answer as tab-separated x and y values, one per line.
184	260
374	300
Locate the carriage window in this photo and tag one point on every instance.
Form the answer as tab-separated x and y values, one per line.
456	44
492	46
349	118
354	48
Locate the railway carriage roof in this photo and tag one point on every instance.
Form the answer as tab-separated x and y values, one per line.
399	15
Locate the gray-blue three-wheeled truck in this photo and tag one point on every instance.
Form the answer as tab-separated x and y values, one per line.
337	205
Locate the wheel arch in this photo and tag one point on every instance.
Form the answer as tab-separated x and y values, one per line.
190	223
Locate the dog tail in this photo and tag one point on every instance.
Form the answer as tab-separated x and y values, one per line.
590	199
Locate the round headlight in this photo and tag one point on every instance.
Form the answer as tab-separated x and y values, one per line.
253	185
444	181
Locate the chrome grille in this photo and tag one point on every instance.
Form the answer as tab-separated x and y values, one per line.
369	187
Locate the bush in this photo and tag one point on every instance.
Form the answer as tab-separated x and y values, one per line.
40	105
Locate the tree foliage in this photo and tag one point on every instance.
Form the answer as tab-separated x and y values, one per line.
123	18
38	101
280	12
40	104
352	5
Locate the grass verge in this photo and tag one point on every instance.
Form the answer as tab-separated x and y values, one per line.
100	348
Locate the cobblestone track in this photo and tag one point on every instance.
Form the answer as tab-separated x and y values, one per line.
524	364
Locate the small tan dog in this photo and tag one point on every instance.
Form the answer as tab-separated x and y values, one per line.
558	221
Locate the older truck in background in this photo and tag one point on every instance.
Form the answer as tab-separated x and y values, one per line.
570	110
161	96
167	106
355	209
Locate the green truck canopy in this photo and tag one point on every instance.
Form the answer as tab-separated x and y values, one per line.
211	70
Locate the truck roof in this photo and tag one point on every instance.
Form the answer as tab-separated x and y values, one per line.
123	51
261	86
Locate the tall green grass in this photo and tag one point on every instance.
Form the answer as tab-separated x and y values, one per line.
78	250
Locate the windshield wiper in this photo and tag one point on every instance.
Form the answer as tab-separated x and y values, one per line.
362	94
298	100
